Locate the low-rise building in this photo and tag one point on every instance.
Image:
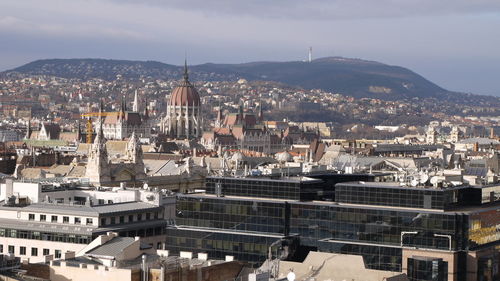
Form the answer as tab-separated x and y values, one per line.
41	219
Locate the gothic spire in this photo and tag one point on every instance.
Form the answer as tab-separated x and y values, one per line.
146	110
28	128
122	108
100	131
135	107
186	75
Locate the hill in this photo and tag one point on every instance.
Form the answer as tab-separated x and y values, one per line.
358	78
354	77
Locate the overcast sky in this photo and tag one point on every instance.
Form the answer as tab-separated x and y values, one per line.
454	43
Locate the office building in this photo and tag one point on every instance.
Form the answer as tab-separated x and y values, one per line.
452	230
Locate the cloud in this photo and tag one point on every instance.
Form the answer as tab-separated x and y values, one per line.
326	9
19	25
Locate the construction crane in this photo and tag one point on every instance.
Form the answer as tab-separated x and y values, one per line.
88	127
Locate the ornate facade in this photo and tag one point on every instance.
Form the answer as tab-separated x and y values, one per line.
183	120
121	125
100	168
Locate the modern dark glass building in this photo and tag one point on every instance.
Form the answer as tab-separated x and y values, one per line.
454	231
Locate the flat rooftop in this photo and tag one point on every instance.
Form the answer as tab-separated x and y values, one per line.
397	185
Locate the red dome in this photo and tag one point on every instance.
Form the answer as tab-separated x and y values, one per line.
183	95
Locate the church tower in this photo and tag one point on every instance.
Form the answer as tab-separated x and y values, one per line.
455	135
183	120
431	136
98	170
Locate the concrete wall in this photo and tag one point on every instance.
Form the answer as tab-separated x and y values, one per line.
65	273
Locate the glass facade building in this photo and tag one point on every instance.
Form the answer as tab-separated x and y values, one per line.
380	221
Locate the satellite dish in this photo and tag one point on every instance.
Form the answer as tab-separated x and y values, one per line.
434	180
401	178
414	182
290	276
424	178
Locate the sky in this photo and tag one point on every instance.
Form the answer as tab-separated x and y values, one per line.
453	43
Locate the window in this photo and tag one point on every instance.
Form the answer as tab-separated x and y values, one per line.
113	220
78	220
130	218
148	216
22	251
139	217
65	219
1	248
54	219
122	219
11	249
31	217
89	221
46	252
57	254
34	252
43	217
103	221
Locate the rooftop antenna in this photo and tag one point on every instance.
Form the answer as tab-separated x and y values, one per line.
310	54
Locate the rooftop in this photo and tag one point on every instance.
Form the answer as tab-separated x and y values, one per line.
112	248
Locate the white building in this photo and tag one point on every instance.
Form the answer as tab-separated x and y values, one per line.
41	219
121	125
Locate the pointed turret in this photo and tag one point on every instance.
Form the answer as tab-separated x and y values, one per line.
186	75
99	139
122	108
220	117
28	129
134	149
240	115
135	107
261	114
146	110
